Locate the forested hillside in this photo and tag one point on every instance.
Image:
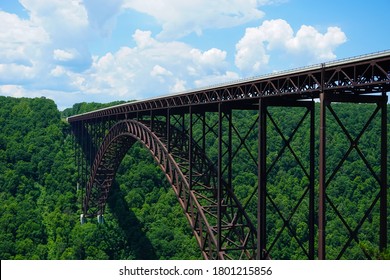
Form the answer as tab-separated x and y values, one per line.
40	204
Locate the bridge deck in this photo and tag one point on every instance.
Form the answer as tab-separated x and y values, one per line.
367	74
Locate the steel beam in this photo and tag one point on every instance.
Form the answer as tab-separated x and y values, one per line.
190	148
383	186
220	178
312	184
322	179
168	124
262	182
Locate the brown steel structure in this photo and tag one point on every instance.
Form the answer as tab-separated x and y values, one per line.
222	223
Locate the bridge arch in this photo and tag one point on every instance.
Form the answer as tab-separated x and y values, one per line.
114	147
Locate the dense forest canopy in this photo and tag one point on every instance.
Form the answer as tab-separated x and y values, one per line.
40	203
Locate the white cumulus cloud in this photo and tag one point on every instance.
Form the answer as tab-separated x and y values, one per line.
179	18
179	86
153	67
16	73
102	14
308	39
58	17
12	90
160	71
67	25
58	71
21	43
143	39
253	51
216	79
64	55
213	59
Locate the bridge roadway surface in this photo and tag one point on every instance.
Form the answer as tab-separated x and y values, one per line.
219	220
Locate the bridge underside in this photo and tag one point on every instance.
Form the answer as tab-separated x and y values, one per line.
199	144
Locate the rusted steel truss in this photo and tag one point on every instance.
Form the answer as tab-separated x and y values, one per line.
363	75
179	129
326	176
266	122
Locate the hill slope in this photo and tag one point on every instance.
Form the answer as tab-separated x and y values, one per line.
40	206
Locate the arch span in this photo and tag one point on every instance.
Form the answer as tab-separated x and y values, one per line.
224	233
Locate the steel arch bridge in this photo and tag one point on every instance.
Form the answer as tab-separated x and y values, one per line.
179	129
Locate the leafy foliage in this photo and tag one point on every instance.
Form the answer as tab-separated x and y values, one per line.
39	217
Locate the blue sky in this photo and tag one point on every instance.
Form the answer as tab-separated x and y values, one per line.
98	50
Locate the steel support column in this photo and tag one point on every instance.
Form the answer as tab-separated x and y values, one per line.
190	149
220	179
229	151
383	177
322	179
203	131
168	124
312	184
262	182
151	120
